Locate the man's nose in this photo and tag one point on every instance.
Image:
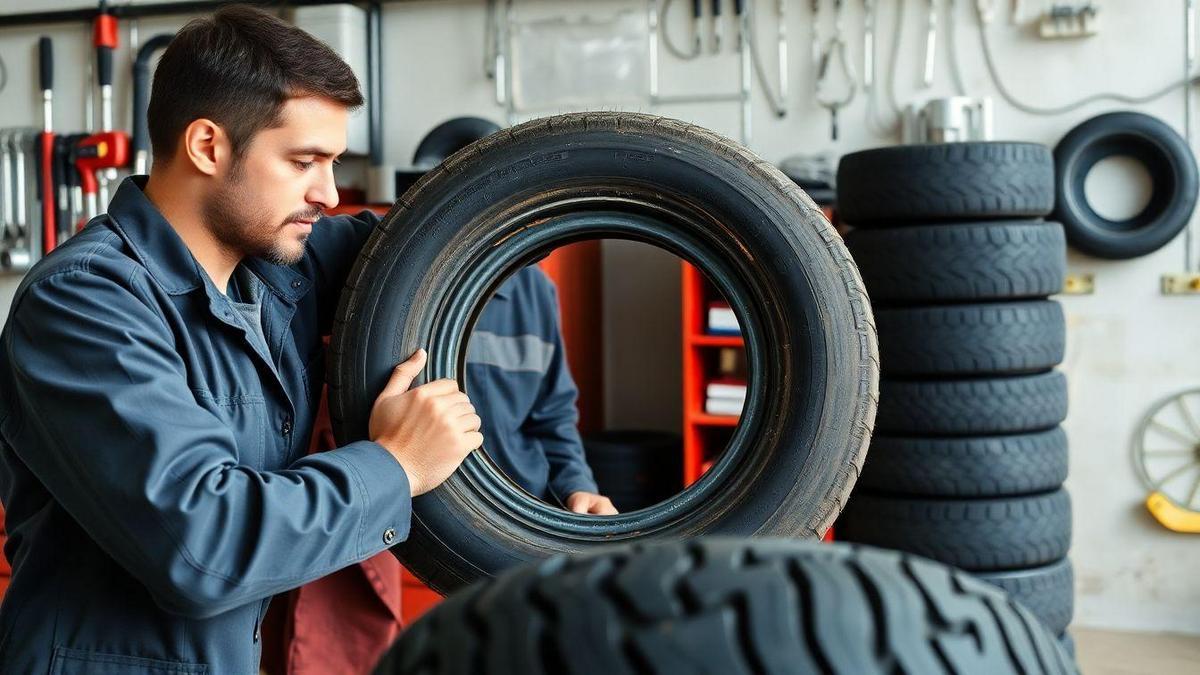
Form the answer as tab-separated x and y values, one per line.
324	191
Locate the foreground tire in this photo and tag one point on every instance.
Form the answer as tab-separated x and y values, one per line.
945	181
963	262
974	534
972	466
729	607
1047	591
983	339
996	405
499	204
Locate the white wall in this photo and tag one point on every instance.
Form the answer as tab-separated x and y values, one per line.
1128	347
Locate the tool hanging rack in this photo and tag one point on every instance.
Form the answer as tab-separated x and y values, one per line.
123	11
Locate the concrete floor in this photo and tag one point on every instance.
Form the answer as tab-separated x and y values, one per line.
1105	652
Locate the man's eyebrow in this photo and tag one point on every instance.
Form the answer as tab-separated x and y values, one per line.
315	151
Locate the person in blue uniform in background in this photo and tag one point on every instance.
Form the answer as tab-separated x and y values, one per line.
518	378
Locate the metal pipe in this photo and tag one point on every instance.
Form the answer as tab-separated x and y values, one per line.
1189	62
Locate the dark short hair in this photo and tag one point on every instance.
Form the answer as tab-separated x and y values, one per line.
237	68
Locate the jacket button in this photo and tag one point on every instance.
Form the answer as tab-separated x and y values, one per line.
287	427
296	283
389	535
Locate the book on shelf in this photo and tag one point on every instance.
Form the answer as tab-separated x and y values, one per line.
724	406
722	320
727	388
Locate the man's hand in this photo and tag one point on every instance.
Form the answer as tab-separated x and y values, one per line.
591	503
430	430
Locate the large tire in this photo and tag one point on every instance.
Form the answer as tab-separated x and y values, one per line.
729	607
974	534
984	339
1047	591
945	181
1165	155
961	262
997	405
509	198
987	466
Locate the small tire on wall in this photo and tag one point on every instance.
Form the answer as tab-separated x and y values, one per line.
1166	157
504	201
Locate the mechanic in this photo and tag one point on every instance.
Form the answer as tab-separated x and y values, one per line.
518	377
159	375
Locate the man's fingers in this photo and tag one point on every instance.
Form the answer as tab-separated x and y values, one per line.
440	388
461	409
404	374
469	422
603	507
474	440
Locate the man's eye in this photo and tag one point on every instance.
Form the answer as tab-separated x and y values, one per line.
303	166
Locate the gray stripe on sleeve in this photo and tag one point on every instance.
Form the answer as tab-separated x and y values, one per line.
523	353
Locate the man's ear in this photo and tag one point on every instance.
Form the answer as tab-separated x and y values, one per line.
207	146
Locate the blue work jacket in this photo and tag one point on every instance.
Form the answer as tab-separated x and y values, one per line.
152	455
521	385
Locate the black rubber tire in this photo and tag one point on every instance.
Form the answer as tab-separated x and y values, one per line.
945	181
729	607
1047	591
982	339
972	466
449	137
1167	158
974	534
502	202
961	262
635	469
995	405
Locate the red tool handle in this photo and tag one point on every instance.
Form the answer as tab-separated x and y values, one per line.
49	229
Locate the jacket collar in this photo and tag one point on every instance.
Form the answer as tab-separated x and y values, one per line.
167	258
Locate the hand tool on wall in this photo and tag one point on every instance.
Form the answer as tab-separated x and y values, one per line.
6	193
739	13
836	49
104	36
141	99
815	34
62	171
716	26
781	15
94	154
930	44
46	76
697	26
868	44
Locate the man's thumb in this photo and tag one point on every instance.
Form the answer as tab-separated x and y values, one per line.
404	374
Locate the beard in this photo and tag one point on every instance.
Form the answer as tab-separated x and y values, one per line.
240	222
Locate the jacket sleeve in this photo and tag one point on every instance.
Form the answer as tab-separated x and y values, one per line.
333	247
554	418
110	426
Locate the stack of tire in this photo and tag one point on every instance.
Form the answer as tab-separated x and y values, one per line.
967	462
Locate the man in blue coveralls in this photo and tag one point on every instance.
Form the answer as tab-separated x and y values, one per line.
517	374
160	372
